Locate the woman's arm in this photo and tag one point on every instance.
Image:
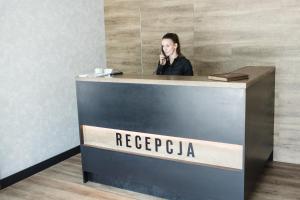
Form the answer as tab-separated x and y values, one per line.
160	69
161	64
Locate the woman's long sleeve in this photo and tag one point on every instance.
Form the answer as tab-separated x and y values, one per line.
159	70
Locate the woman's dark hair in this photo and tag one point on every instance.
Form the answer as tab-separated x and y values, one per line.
174	37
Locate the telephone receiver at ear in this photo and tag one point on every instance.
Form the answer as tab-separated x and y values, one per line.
163	52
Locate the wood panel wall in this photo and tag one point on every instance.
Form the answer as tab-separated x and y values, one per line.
217	36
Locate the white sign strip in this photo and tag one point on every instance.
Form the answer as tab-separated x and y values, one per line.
165	147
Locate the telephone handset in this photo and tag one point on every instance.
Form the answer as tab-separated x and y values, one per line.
163	52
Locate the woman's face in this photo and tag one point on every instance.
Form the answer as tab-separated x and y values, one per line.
169	46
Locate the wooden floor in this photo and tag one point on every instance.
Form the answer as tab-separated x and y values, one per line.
64	181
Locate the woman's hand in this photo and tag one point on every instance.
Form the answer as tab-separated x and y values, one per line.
162	59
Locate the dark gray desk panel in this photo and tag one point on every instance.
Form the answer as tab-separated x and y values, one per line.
259	128
206	113
163	178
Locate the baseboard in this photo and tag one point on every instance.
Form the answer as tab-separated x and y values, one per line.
38	167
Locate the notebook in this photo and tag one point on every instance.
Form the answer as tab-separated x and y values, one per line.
230	76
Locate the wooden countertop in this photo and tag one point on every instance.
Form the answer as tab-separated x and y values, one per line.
255	73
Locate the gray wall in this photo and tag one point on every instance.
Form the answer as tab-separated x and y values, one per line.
43	45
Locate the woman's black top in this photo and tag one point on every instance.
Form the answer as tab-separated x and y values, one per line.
180	66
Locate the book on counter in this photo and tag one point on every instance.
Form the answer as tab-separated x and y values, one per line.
230	76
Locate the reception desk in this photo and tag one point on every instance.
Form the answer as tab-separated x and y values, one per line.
177	137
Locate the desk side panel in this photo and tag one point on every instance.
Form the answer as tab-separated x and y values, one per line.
259	129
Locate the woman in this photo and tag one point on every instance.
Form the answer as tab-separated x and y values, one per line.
171	61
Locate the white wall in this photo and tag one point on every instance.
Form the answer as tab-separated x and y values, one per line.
44	44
